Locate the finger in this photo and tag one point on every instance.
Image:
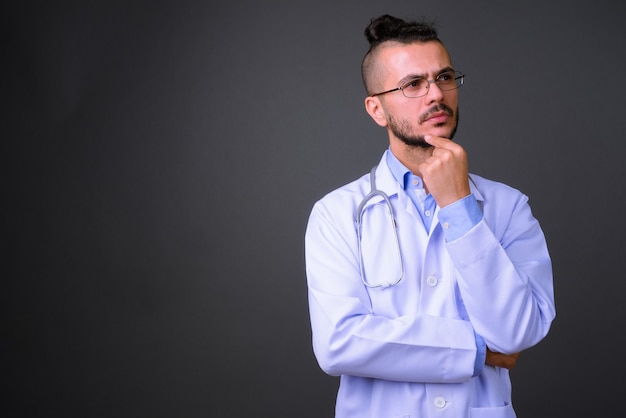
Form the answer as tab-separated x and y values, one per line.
440	143
437	141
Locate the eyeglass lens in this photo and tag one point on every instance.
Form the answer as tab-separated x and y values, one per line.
449	80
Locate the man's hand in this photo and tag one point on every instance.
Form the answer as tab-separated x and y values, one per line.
506	361
445	172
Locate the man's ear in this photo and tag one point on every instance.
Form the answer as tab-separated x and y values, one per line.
375	109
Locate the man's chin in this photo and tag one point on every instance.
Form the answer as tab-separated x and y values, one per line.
415	141
443	132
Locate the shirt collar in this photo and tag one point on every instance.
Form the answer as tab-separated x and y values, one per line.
401	174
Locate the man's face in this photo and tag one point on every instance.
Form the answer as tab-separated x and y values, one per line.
409	119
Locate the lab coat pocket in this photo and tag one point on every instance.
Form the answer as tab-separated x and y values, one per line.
505	411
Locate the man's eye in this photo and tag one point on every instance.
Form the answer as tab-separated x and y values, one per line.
413	84
448	76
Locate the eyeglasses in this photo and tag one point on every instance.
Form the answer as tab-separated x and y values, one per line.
418	87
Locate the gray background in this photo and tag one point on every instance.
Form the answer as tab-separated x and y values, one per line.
161	160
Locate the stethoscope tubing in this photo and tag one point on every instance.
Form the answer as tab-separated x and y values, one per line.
358	219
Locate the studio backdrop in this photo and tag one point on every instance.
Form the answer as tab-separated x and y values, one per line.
161	160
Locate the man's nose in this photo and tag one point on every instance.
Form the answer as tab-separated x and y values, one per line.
434	92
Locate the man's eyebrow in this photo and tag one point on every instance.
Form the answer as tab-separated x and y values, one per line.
445	70
410	77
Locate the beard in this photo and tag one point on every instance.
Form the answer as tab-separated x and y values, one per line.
402	129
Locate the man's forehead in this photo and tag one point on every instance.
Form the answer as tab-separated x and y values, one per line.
421	57
416	50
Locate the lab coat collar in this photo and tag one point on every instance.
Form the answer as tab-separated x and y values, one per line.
385	181
474	190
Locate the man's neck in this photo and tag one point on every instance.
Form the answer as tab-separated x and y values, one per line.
410	156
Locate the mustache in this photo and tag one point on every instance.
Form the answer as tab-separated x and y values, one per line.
441	107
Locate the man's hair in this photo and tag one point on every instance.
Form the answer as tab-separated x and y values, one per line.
387	28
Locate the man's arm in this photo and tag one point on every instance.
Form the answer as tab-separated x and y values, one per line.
349	338
502	260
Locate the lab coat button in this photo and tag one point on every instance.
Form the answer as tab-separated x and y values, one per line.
440	402
446	225
431	281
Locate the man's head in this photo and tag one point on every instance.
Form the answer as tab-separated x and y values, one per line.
401	56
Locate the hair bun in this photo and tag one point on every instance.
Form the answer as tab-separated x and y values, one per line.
383	28
389	28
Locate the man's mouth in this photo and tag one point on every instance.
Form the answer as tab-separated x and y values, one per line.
438	114
438	117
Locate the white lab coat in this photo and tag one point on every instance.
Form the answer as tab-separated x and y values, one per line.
409	350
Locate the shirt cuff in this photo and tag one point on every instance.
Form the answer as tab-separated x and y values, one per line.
459	217
481	355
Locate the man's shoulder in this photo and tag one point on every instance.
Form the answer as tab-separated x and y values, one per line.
493	192
486	184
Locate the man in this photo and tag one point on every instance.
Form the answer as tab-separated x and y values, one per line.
424	282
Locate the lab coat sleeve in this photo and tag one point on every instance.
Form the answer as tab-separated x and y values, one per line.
349	338
504	274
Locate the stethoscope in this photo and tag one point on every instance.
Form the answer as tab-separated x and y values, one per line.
358	219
